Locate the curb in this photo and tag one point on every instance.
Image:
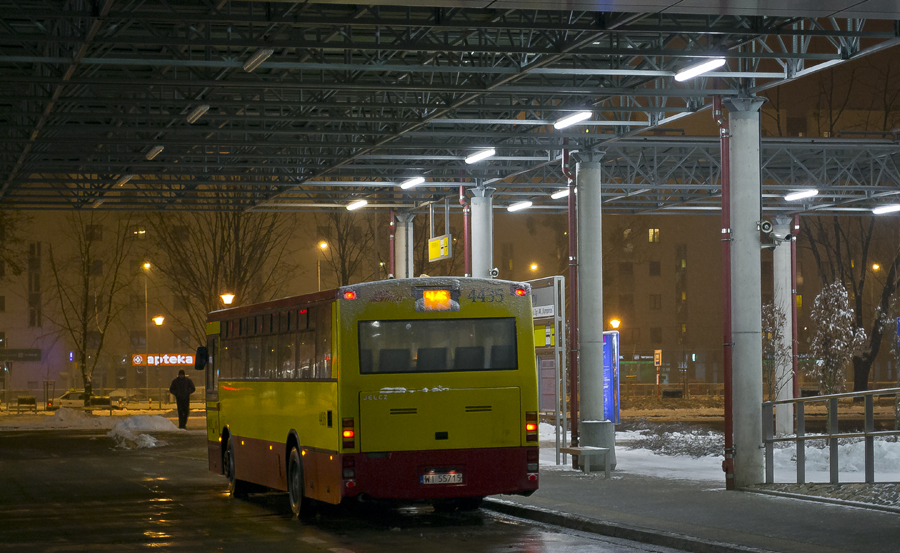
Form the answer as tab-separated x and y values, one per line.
828	500
616	530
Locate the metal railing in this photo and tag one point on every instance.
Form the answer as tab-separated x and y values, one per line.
832	434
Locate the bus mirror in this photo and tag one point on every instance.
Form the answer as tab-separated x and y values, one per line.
201	359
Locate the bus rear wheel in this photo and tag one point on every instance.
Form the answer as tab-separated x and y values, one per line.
237	488
299	504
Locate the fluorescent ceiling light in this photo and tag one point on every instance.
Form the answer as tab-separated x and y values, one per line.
97	203
519	206
197	113
123	179
799	195
257	58
560	194
412	182
886	209
570	120
154	152
699	69
356	205
478	156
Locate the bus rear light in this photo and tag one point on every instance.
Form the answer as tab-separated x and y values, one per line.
532	477
531	426
349	295
350	484
521	292
349	473
348	433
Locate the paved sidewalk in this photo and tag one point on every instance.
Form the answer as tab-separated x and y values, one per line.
700	516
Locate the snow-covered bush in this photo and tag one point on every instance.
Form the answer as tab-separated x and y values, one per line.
833	340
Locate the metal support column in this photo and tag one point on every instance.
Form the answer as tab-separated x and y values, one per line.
783	374
482	232
403	246
746	293
595	431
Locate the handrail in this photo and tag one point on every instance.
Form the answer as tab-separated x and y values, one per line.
832	434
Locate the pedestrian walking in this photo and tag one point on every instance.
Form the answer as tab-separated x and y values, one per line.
182	388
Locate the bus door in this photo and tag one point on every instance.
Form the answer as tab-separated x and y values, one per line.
212	388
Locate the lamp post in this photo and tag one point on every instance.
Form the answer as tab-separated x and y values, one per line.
158	321
227	298
322	247
146	267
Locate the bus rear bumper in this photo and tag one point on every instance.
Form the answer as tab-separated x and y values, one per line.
449	473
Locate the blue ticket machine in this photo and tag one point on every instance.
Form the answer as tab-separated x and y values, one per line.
611	397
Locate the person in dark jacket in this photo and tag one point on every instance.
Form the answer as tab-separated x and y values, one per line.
182	388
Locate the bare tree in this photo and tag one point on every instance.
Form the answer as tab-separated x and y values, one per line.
842	248
204	255
775	354
835	94
834	339
89	282
349	237
885	74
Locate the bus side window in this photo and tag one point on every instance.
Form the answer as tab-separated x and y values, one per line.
269	359
286	349
253	366
306	351
212	367
323	341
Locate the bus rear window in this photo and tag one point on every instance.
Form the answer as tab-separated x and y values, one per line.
445	345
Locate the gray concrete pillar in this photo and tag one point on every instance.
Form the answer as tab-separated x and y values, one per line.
594	429
784	373
482	232
746	293
403	246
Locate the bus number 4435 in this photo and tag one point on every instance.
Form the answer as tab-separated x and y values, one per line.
484	296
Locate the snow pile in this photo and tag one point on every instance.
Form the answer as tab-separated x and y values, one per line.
65	418
128	433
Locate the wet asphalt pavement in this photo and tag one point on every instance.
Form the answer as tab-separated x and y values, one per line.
68	491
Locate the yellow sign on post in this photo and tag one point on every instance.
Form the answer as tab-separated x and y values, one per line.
440	247
657	357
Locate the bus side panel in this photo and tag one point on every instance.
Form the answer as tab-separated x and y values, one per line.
264	414
213	437
322	475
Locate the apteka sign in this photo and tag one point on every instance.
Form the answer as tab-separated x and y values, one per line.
164	360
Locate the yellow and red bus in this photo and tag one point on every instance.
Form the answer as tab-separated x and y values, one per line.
408	389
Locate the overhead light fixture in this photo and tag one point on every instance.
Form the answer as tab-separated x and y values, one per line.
412	182
699	69
123	179
197	113
154	152
570	120
560	194
257	58
886	209
97	203
799	195
356	205
478	156
519	206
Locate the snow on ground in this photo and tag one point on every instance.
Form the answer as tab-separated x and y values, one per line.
708	468
128	433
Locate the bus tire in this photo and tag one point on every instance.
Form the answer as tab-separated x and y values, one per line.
295	484
237	488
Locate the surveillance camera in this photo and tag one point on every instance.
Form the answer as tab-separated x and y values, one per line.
766	227
495	272
786	237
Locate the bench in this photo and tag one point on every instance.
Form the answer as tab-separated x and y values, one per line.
587	452
28	402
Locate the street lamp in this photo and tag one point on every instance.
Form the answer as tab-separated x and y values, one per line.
158	321
534	266
227	298
614	324
323	245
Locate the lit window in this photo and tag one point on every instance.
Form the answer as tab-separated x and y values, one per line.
653	234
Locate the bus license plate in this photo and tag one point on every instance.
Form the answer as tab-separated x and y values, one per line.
442	478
